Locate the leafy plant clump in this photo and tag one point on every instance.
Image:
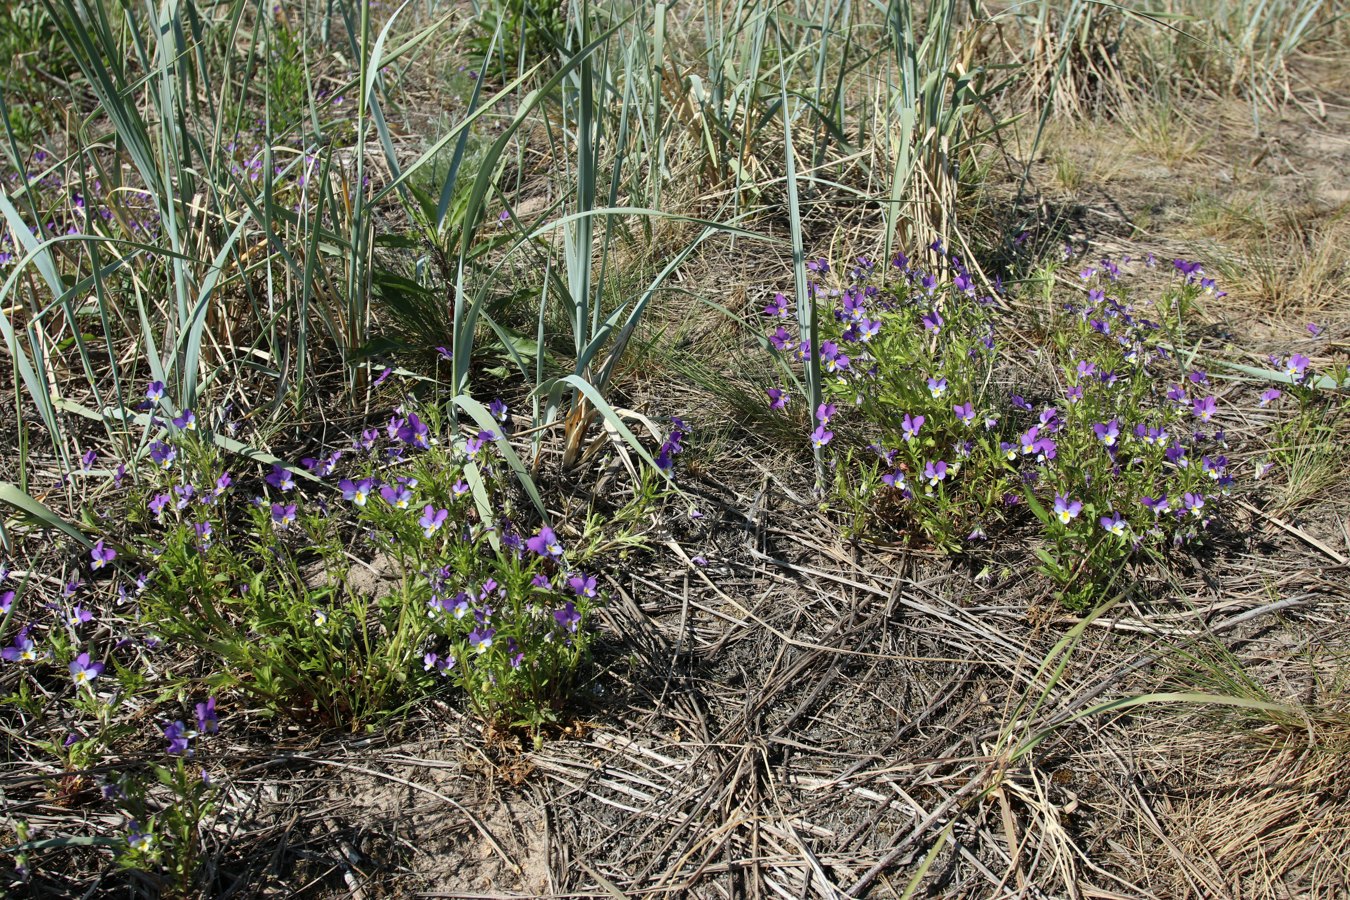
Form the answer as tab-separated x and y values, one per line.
1103	433
210	586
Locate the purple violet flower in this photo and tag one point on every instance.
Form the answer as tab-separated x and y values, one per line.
1204	408
283	515
357	492
1114	524
177	736
1066	510
480	639
397	495
545	544
163	454
432	519
102	555
567	618
84	671
414	432
207	720
1107	432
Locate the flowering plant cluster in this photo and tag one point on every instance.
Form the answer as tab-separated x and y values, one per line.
266	576
1112	443
254	574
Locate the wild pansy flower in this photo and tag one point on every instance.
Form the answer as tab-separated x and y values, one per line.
583	586
910	426
83	670
1150	435
1176	455
203	530
185	494
320	618
934	473
460	487
396	495
1073	394
1262	469
155	392
937	387
932	321
163	454
1270	396
1067	510
321	468
176	734
545	544
778	306
6	603
965	413
1187	268
280	478
158	504
1204	408
1296	366
415	432
821	436
1215	467
140	841
895	479
1029	439
222	484
480	639
1177	394
357	492
1107	432
22	649
459	605
1114	524
1193	503
819	266
474	445
102	555
499	409
1159	506
567	618
832	359
283	515
187	421
868	329
1086	369
78	616
88	459
825	412
432	519
207	720
777	398
781	339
